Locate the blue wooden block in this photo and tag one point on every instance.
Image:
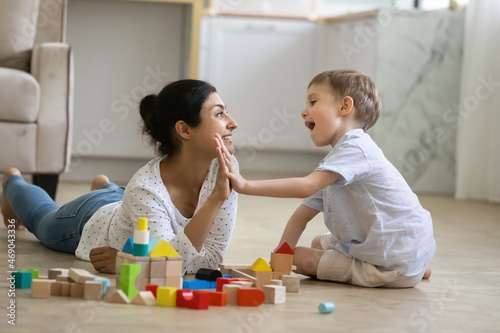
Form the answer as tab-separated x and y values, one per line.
213	284
129	246
326	307
105	283
23	280
152	242
196	284
226	276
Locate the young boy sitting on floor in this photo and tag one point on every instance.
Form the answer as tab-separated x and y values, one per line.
380	236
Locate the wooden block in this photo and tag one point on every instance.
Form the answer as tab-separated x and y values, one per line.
54	272
276	282
92	290
119	297
65	288
63	278
77	290
262	277
145	264
144	298
105	283
152	288
80	275
222	281
208	274
284	248
218	298
56	288
193	299
158	281
166	296
108	295
163	249
250	297
173	268
227	268
158	267
243	284
232	293
260	265
22	279
274	294
175	282
141	282
281	262
292	283
278	275
236	273
41	288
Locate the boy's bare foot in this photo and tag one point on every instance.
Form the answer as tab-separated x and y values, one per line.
99	182
427	273
7	212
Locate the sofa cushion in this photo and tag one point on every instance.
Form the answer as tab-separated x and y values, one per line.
18	146
19	96
18	20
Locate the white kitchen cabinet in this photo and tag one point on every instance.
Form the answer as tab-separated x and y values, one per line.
261	69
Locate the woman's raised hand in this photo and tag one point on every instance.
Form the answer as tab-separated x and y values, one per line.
228	166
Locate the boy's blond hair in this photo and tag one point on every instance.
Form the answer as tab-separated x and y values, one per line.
362	90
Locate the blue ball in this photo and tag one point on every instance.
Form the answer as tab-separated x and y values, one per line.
326	307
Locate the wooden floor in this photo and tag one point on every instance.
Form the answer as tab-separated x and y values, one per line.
463	294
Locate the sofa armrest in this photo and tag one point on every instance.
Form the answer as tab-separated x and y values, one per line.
52	67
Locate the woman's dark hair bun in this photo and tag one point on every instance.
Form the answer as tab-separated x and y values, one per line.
146	108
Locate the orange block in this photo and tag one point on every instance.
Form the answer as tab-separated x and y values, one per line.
218	298
250	297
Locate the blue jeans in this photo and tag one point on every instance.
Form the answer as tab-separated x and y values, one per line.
58	228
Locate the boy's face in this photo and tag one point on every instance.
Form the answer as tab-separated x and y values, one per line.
322	115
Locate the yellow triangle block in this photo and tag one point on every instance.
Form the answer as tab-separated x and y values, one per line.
260	265
163	249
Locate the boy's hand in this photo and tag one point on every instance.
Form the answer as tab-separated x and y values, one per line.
230	169
103	259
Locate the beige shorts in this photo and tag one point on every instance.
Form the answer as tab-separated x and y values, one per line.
335	266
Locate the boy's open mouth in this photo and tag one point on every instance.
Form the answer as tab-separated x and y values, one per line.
310	125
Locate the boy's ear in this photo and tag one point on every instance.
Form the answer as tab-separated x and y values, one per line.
183	130
347	106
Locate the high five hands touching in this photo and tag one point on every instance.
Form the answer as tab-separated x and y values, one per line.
229	167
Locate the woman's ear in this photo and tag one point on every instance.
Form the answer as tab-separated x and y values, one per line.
183	130
347	106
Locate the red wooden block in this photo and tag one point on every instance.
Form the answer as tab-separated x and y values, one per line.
250	297
222	281
193	299
152	288
284	248
218	298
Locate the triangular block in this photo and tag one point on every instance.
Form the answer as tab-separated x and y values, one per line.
261	265
284	248
152	243
119	297
163	249
144	298
129	246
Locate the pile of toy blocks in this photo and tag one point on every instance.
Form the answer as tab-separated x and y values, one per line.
71	282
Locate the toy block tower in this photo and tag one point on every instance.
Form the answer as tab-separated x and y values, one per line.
141	238
282	260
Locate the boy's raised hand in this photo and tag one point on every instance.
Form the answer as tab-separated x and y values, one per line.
230	169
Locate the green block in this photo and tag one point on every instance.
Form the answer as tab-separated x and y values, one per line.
130	270
34	272
141	250
23	279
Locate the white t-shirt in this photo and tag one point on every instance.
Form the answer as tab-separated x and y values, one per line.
146	196
371	209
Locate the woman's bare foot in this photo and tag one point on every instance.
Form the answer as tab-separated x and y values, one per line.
7	212
427	273
99	182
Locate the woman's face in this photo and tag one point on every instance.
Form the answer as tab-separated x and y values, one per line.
214	119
